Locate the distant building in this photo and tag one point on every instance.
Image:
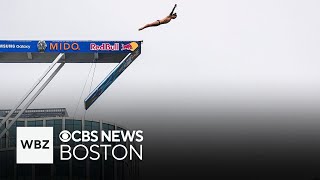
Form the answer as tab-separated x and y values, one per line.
61	170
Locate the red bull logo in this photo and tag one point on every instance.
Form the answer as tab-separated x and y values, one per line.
104	47
131	46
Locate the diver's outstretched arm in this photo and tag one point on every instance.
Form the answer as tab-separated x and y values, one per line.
173	9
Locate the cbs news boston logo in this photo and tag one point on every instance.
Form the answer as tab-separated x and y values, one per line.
34	145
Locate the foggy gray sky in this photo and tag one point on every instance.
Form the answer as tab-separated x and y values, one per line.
217	56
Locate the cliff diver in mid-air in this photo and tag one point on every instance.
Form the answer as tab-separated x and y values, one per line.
165	20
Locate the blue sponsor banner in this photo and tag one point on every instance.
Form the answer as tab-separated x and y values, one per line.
115	73
70	46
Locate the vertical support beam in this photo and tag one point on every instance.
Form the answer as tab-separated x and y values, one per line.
102	153
115	162
32	89
32	99
33	172
7	137
96	56
29	54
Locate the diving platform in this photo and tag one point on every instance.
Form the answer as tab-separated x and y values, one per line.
59	52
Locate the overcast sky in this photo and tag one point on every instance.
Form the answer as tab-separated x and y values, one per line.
217	54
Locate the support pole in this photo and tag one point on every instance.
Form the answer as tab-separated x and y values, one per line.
31	100
32	89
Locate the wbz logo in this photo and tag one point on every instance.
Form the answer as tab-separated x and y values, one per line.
37	144
34	145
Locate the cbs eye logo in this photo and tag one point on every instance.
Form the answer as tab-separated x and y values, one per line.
65	136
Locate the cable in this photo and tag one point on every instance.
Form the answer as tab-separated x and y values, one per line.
85	84
94	70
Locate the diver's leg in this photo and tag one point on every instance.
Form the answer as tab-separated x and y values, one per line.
156	23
